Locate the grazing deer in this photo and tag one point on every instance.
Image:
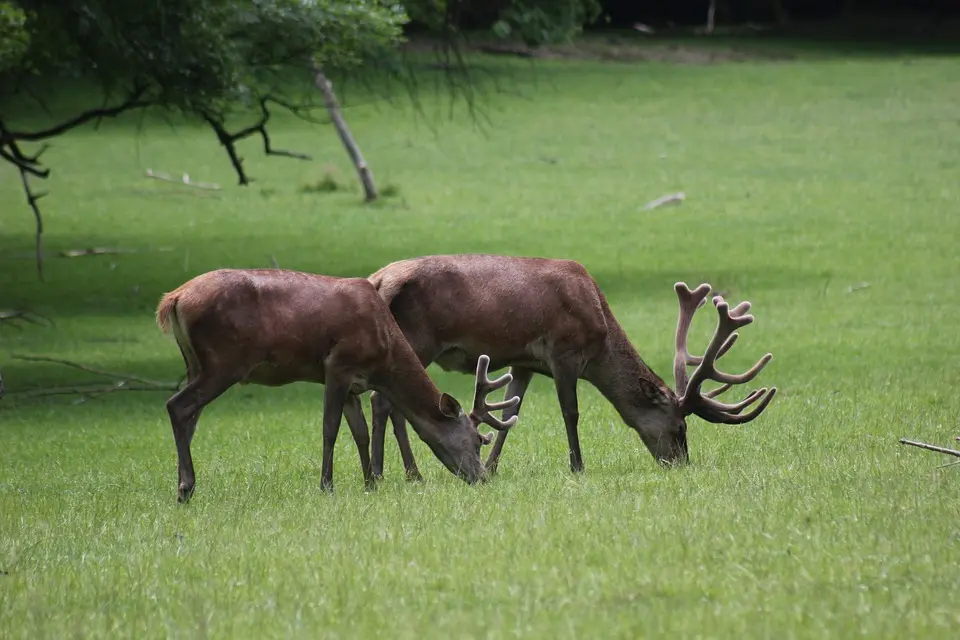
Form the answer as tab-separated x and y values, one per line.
273	327
549	317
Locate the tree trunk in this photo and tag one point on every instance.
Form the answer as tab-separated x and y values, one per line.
333	107
711	14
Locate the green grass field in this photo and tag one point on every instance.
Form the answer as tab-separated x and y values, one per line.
804	178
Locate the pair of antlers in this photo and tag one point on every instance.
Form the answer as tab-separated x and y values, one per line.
692	399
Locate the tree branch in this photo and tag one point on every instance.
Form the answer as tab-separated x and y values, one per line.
267	149
28	165
133	101
229	140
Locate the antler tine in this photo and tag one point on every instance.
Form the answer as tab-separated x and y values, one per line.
731	418
482	408
689	301
694	401
736	407
715	392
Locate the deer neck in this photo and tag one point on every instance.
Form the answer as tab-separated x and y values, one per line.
637	393
409	389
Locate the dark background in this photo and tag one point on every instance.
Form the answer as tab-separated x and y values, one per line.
623	13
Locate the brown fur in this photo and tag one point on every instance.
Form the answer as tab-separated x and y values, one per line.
272	327
535	315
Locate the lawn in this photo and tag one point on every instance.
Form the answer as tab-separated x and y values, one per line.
823	189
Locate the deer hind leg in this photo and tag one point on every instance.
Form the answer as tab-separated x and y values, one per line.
565	378
184	409
353	412
517	387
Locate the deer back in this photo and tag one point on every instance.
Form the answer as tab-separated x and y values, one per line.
507	307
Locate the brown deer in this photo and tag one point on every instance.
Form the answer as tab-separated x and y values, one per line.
273	327
549	317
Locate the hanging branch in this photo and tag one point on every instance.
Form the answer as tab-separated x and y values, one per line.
229	140
30	164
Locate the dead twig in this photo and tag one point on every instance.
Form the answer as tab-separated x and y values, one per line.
930	447
857	287
90	391
673	198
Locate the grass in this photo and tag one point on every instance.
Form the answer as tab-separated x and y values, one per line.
803	179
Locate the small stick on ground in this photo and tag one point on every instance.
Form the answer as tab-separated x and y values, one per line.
104	251
931	447
673	198
166	177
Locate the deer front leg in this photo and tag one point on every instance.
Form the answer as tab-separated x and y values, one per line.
517	387
382	410
184	409
358	427
411	472
334	397
566	383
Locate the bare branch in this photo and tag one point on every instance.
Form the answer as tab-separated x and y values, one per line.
229	143
229	140
12	315
100	372
32	199
267	149
930	447
134	101
333	107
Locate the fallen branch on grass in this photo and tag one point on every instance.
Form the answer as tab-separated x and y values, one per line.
12	315
931	447
673	198
122	382
103	251
166	177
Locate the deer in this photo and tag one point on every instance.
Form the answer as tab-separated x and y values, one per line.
274	327
549	317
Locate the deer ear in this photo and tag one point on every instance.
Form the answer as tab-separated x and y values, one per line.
449	406
486	438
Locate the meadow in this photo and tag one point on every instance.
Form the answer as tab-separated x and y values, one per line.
822	188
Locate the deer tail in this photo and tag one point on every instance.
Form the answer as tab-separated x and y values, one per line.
167	311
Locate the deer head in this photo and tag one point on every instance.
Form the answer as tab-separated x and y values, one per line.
459	447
